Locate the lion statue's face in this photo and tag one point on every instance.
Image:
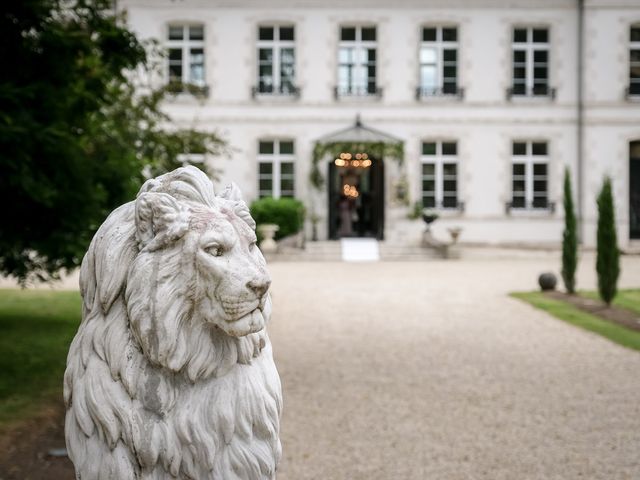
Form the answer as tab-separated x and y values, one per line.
232	285
198	275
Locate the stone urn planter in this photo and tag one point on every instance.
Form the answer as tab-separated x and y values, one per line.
268	232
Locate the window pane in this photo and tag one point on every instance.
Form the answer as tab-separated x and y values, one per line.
539	148
266	148
176	32
286	148
450	55
428	169
286	33
634	55
427	55
520	56
449	148
635	34
175	55
196	74
539	169
265	168
450	34
428	148
286	168
449	169
449	72
450	201
428	201
265	33
286	185
540	186
371	55
540	35
348	33
369	34
428	34
540	56
518	169
196	32
449	186
428	77
517	202
265	55
540	73
428	186
520	35
519	148
540	202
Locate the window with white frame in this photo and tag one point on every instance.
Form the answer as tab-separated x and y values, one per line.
439	163
276	60
530	175
357	61
438	61
185	45
530	62
634	60
276	168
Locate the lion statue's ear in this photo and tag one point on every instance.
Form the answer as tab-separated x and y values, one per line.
233	194
159	220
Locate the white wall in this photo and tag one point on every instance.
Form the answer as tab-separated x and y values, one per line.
484	123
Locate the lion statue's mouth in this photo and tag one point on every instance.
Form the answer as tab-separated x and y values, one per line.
243	318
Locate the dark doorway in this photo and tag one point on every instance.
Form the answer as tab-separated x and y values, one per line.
634	190
356	196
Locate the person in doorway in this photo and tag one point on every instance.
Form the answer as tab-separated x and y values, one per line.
344	214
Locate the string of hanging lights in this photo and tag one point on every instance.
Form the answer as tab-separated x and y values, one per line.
359	160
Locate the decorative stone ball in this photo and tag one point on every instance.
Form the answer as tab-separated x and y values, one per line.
547	281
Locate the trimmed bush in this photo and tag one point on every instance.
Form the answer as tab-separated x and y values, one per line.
287	213
608	261
569	238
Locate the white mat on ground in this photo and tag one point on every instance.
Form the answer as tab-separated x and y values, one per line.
360	250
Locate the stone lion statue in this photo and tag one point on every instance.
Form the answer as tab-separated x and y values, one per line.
171	373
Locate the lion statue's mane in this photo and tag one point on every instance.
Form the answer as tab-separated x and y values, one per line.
171	373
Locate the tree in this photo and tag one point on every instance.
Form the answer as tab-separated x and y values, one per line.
608	260
75	135
569	238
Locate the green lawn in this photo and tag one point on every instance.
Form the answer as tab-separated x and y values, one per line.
569	313
629	299
36	328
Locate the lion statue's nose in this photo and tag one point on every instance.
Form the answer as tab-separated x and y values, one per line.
259	287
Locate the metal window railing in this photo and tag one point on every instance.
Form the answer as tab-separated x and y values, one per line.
275	90
447	92
531	92
352	91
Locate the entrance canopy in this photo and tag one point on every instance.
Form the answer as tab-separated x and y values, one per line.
359	134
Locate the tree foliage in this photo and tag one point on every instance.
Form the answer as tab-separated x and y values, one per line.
569	238
74	134
608	259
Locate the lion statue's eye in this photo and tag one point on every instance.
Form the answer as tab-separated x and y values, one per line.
253	245
214	250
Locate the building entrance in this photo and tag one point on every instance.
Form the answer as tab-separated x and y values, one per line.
356	196
634	190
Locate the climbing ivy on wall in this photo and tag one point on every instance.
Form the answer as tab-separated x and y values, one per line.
378	150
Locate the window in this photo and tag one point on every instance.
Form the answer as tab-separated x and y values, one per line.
357	61
439	174
276	60
185	46
634	61
438	61
530	49
529	178
275	168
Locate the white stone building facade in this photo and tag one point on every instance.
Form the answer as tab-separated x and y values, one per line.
490	99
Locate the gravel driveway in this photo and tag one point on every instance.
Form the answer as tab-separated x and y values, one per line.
430	371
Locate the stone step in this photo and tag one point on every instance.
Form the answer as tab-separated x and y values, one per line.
331	251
